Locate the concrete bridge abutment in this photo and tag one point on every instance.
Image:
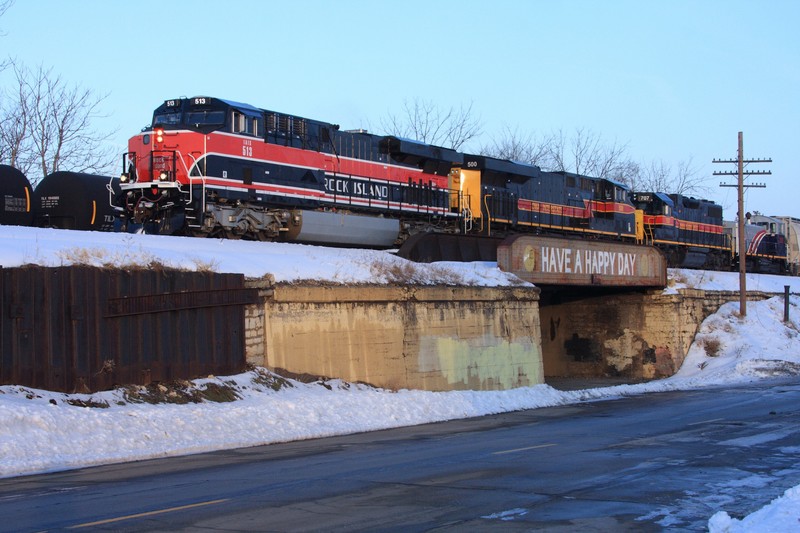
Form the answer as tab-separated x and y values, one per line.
400	337
636	335
471	338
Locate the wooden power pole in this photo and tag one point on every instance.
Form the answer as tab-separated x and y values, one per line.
740	173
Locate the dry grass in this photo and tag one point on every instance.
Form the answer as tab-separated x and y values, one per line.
408	273
99	257
180	392
712	346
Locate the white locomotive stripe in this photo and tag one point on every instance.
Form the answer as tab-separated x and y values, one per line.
289	165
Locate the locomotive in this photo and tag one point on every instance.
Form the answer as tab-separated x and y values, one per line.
689	231
213	167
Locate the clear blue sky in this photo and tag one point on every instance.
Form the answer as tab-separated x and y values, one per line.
672	80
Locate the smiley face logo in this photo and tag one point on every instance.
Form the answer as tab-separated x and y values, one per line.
529	259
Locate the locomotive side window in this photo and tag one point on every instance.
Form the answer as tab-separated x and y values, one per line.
238	122
244	124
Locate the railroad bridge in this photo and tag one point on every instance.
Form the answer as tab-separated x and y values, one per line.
596	310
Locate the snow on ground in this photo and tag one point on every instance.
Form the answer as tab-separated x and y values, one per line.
285	262
44	432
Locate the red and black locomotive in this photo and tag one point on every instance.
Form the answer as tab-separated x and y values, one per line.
211	167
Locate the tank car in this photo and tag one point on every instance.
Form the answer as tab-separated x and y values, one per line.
75	200
17	195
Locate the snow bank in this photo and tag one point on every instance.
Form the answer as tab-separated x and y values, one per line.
46	432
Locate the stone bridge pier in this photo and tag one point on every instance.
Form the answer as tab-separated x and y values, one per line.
636	335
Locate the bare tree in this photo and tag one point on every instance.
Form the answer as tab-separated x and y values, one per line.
15	142
584	153
4	6
425	122
659	176
515	146
46	126
626	171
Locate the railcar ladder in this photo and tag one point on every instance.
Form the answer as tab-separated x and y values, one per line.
649	236
190	211
467	217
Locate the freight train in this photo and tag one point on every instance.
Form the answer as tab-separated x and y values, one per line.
211	167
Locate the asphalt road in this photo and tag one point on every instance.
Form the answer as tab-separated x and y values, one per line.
657	462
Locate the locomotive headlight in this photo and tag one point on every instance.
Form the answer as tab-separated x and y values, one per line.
159	135
164	176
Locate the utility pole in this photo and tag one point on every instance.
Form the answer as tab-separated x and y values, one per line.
740	173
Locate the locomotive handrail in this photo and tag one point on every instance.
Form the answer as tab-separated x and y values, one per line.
191	180
488	216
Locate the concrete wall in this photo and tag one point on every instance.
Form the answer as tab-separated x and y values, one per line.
444	338
430	338
636	335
